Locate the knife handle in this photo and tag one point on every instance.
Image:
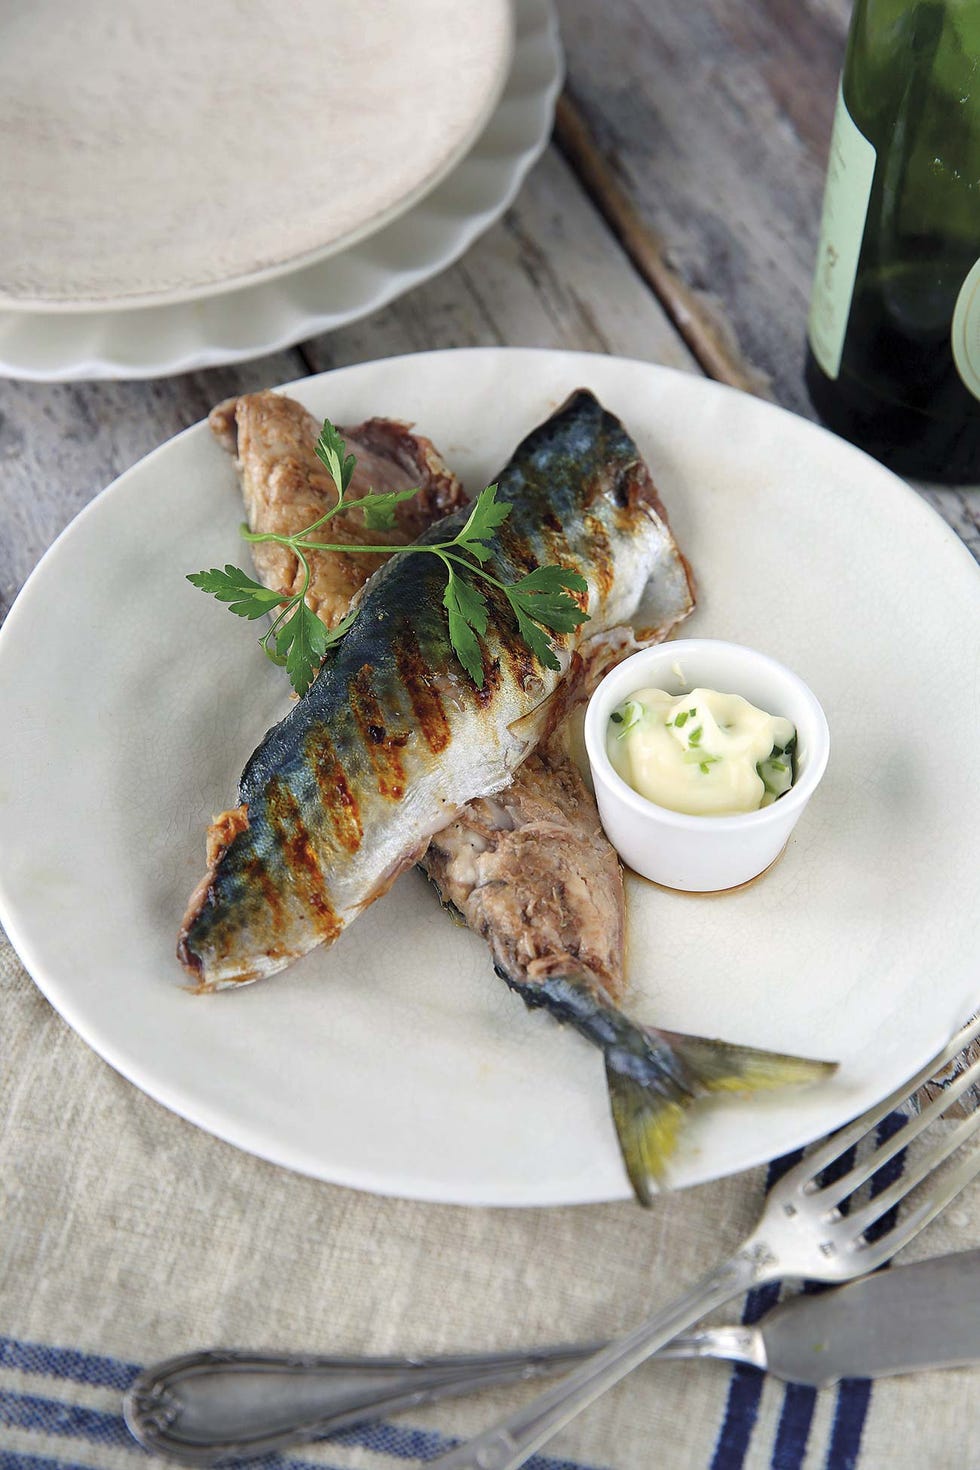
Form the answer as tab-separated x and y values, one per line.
206	1407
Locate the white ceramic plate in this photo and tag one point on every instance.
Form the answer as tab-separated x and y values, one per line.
396	1061
172	151
233	326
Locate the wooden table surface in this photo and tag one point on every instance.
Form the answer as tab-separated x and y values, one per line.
673	217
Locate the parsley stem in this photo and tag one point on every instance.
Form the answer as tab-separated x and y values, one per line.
300	543
325	517
342	504
291	605
471	566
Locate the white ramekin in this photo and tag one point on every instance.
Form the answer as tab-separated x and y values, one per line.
704	854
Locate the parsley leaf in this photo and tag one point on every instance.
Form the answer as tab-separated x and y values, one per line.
302	642
536	639
246	598
329	450
541	597
552	609
379	507
467	609
487	514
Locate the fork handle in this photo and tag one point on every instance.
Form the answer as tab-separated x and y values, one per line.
508	1444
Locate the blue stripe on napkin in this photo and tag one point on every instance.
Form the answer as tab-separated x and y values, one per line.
799	1399
745	1388
793	1430
854	1394
853	1402
16	1460
55	1362
70	1421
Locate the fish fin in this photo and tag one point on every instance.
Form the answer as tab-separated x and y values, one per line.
650	1114
723	1066
647	1125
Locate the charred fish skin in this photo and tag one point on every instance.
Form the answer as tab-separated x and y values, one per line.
393	738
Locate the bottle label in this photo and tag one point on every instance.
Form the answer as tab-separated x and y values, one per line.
966	331
850	171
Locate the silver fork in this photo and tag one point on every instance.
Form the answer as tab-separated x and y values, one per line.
802	1232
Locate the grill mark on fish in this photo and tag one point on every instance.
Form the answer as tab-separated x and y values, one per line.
517	548
423	696
383	749
263	890
338	800
602	555
300	859
492	680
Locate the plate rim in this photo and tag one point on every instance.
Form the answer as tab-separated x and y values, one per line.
296	1158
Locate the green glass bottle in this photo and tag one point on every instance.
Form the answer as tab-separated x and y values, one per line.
894	328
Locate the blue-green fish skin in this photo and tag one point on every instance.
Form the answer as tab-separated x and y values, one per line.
393	737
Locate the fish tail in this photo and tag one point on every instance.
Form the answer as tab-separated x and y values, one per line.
654	1077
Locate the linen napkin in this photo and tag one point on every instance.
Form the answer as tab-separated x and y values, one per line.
128	1235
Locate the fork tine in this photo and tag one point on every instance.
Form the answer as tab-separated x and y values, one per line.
819	1159
861	1173
861	1219
874	1255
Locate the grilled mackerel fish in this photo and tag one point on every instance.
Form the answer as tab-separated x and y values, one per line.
393	738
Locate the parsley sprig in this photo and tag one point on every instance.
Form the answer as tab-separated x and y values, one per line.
296	638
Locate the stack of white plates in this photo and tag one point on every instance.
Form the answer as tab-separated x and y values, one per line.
198	185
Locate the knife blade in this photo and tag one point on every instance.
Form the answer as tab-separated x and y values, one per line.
902	1318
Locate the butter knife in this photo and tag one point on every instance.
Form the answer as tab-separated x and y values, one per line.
204	1408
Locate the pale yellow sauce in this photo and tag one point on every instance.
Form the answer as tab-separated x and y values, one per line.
700	753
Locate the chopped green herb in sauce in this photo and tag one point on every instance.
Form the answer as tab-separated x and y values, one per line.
703	753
